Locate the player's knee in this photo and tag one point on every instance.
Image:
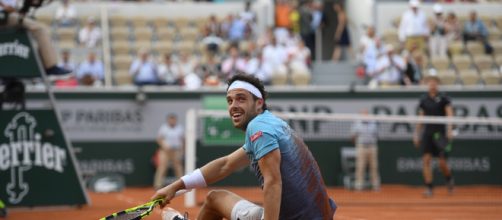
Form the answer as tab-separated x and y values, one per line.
215	195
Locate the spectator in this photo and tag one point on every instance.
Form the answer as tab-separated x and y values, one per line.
66	62
226	25
274	55
91	71
413	28
187	65
213	43
168	71
143	70
371	55
255	66
342	39
414	67
249	17
389	68
283	21
210	67
475	30
237	31
213	27
265	38
39	31
299	53
66	14
367	41
453	27
170	139
306	32
438	42
233	64
365	137
90	35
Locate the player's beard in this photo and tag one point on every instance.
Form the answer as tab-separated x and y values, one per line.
247	115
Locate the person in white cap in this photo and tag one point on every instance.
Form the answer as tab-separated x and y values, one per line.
90	35
389	68
413	29
290	179
438	41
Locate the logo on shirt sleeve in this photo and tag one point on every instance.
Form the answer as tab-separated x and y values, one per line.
256	136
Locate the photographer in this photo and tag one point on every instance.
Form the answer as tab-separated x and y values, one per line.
13	17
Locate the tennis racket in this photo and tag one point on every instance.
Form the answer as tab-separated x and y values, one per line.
139	212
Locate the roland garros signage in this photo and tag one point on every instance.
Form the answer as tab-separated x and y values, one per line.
35	164
17	54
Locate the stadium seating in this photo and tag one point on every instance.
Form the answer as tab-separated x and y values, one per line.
469	77
490	77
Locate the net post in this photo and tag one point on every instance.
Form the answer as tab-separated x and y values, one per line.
190	147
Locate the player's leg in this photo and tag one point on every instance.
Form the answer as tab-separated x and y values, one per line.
360	166
427	173
443	166
221	204
175	157
160	173
375	176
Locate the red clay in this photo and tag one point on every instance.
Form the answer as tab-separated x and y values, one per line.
392	202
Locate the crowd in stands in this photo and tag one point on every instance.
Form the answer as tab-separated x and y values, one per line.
438	43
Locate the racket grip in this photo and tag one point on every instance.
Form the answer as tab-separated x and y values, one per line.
181	192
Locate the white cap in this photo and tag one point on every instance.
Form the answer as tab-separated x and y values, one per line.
414	3
437	8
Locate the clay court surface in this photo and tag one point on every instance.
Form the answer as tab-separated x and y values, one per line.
392	202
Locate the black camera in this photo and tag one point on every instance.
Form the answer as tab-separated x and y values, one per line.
29	4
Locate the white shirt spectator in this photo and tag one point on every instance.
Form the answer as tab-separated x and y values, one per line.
173	136
69	65
413	24
192	81
299	54
169	73
255	67
90	36
66	13
143	71
274	55
390	73
95	69
231	66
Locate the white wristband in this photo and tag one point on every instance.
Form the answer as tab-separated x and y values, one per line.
194	180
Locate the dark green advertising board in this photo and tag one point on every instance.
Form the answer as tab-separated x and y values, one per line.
17	55
36	165
219	131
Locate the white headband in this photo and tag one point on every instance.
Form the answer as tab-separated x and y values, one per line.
237	84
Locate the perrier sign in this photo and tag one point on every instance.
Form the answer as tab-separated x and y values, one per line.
36	166
17	55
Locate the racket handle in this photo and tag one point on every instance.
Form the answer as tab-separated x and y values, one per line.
181	192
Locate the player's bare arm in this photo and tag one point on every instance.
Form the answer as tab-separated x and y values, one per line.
418	130
272	183
212	172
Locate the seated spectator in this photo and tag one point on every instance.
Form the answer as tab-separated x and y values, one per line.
255	66
213	27
371	55
233	64
453	27
187	64
274	55
413	28
211	66
475	30
226	25
91	71
265	38
366	41
169	71
299	53
66	62
237	31
414	67
389	68
66	14
90	35
438	42
213	43
143	70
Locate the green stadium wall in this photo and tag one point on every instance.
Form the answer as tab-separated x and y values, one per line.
112	131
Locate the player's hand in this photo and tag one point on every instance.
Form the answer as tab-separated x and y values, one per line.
167	193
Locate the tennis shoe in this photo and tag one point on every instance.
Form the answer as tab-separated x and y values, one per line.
171	214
